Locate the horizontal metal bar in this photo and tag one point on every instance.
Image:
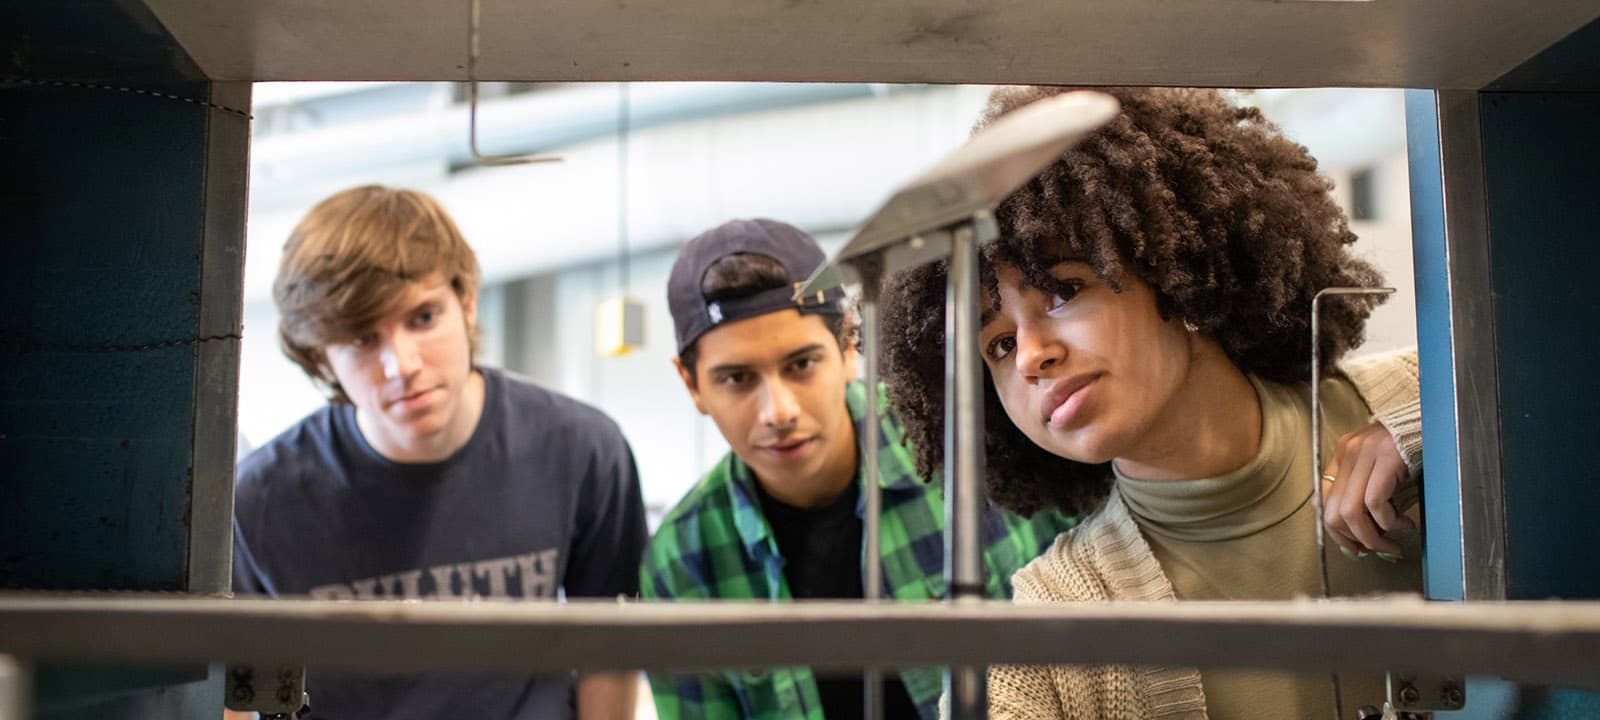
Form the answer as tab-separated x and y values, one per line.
1552	642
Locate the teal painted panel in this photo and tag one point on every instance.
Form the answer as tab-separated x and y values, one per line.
1542	169
101	215
168	694
89	41
100	229
1573	63
67	689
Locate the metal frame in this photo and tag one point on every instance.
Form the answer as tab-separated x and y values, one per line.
1460	390
946	211
1533	642
473	8
1316	416
966	685
1316	446
216	376
870	269
1548	643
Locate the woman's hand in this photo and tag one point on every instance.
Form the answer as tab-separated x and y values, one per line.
1366	470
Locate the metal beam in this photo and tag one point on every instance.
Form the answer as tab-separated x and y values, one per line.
216	375
1212	43
1548	643
1464	487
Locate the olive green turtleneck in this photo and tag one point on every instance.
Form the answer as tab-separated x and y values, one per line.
1251	534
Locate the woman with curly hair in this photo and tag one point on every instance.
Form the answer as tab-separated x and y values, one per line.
1145	343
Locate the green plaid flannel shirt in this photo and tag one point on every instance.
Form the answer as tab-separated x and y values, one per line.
717	544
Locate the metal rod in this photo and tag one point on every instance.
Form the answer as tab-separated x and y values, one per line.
1316	447
624	124
870	269
1548	643
966	686
1316	414
15	687
472	102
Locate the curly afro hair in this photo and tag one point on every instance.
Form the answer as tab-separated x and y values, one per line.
1201	199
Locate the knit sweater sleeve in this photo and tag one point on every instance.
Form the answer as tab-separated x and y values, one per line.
1389	383
1024	692
1103	558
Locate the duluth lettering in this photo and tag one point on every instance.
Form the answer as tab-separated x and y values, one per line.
526	576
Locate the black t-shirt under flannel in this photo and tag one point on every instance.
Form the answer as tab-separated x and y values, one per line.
821	550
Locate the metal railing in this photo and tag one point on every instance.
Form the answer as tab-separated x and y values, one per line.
1553	643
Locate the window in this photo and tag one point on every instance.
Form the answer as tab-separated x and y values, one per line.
1363	195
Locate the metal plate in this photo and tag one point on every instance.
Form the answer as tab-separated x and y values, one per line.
265	688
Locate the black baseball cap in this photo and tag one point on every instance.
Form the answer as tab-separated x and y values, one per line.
796	251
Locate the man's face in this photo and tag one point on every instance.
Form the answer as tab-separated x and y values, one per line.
1083	370
775	386
407	375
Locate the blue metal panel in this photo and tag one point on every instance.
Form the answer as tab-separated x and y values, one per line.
1442	508
1542	166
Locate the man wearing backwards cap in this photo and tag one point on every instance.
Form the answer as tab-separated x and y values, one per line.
780	517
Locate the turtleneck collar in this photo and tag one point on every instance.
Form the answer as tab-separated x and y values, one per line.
1262	493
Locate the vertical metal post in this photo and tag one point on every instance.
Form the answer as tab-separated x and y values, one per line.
1316	413
15	687
870	269
216	376
1316	447
964	459
1464	502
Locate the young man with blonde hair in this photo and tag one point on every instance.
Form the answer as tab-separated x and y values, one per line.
427	476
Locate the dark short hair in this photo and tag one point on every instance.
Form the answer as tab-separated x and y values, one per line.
1203	200
744	274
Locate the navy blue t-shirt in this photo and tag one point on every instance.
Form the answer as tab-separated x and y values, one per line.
543	497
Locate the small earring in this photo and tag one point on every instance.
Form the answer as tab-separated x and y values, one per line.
1190	326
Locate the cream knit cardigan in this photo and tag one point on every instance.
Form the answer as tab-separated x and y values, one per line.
1106	558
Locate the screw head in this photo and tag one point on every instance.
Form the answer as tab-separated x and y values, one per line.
1453	696
243	693
1409	695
